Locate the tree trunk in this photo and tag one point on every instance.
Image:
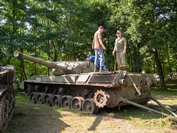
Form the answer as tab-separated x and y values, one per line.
159	70
168	59
175	56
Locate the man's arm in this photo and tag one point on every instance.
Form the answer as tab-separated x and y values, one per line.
125	46
93	44
114	50
101	42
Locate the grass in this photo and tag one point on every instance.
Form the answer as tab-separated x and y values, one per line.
167	97
29	117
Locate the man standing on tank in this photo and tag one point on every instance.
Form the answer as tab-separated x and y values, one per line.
120	49
98	46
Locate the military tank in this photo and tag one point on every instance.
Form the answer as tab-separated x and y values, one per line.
7	96
74	84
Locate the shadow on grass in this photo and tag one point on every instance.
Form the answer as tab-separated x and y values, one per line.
95	123
105	113
35	118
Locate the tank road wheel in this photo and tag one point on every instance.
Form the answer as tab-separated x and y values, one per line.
40	98
76	103
56	100
66	101
28	89
89	106
48	99
100	98
33	96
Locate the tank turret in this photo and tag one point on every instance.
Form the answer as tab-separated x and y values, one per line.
60	67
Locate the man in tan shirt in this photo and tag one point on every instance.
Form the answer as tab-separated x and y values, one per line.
120	50
98	46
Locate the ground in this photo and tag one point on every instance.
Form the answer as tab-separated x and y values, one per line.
36	118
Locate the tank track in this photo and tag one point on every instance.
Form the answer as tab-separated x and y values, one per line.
66	101
6	109
62	98
7	97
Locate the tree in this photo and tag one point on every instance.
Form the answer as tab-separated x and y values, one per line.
146	23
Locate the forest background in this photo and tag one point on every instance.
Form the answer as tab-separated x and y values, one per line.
59	30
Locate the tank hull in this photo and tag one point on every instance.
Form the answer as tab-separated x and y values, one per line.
92	90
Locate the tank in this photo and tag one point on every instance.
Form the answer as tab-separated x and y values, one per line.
7	96
73	84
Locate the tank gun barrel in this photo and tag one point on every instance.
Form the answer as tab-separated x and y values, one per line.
60	67
36	60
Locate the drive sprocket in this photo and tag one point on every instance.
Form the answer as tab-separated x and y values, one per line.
101	98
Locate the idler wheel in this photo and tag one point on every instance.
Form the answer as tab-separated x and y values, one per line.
100	98
33	96
76	103
48	99
89	106
66	101
56	100
40	98
28	89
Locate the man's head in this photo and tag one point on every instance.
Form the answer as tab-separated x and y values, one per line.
119	33
101	28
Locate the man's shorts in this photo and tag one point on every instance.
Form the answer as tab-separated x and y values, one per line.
120	57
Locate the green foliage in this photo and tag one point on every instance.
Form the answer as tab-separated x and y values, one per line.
63	30
146	23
